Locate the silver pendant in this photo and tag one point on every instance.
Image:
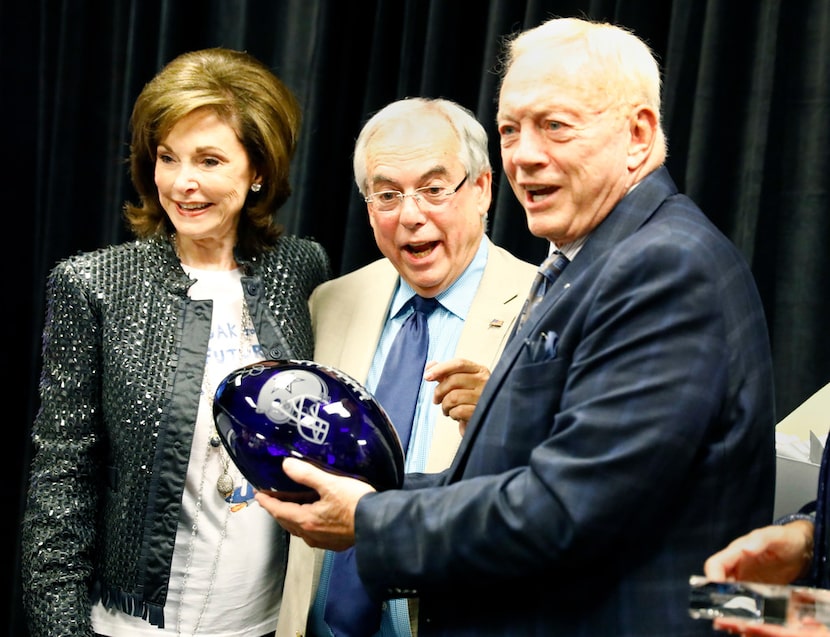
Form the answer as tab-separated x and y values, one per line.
224	484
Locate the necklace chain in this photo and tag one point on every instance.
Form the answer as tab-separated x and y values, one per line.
224	484
194	530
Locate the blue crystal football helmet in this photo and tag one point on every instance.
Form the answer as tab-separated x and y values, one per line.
267	411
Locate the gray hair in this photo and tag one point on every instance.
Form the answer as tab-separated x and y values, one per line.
471	134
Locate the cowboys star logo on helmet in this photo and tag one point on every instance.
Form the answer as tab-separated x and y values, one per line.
296	397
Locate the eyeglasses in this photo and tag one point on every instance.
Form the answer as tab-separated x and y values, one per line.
390	200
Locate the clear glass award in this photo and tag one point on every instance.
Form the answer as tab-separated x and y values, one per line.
768	603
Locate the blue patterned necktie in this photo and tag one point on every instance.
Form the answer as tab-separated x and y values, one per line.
349	611
548	272
400	381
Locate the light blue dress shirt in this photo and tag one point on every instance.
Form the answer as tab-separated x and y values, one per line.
445	326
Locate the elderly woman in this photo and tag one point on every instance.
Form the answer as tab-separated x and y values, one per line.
136	521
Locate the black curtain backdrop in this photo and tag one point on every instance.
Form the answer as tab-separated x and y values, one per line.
746	110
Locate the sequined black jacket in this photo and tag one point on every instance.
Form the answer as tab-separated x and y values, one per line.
123	358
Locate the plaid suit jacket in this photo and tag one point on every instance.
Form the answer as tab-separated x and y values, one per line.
626	433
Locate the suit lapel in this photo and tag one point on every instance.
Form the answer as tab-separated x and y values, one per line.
635	209
487	326
354	323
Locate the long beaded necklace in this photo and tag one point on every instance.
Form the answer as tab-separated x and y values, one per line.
214	566
224	484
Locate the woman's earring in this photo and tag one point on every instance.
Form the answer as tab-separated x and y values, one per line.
256	187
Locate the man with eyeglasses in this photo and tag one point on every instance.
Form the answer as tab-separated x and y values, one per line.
423	168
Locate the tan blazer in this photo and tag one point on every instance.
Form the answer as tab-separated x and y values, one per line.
348	315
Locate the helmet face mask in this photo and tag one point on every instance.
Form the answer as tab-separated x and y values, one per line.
267	411
296	397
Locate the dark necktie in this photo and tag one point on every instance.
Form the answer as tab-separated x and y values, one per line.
548	272
400	381
349	611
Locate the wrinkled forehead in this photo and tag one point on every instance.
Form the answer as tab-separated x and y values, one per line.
555	78
412	144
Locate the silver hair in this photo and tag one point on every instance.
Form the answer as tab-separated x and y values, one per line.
471	134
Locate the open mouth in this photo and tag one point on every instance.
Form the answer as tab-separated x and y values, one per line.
538	194
420	250
193	207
